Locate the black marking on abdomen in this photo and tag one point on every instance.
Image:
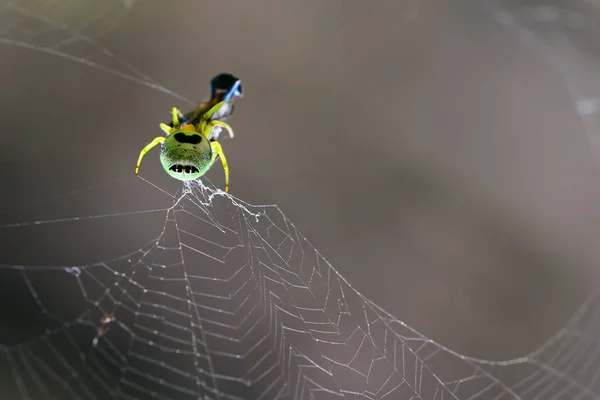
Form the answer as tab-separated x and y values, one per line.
192	139
187	169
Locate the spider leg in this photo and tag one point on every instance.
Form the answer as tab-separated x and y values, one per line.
207	115
176	113
214	124
166	128
217	150
193	117
177	119
146	149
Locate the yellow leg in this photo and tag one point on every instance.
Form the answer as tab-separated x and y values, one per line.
146	149
175	113
214	109
223	125
217	150
203	125
166	128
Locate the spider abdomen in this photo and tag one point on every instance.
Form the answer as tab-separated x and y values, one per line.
186	155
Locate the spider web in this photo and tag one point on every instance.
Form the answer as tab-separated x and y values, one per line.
228	300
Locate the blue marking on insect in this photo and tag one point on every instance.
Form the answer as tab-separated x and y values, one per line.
228	83
236	90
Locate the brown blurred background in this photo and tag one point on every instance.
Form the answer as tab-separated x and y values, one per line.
432	154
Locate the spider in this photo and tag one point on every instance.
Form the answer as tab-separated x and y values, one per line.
191	147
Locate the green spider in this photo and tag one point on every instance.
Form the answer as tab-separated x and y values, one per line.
191	147
188	150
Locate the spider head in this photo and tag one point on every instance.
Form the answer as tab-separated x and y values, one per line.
185	155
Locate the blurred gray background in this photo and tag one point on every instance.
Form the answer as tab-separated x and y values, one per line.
432	154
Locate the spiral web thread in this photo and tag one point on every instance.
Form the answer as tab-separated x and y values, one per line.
230	301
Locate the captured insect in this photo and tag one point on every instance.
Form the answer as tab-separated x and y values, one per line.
191	147
223	88
105	325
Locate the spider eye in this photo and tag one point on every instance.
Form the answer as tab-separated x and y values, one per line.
191	139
